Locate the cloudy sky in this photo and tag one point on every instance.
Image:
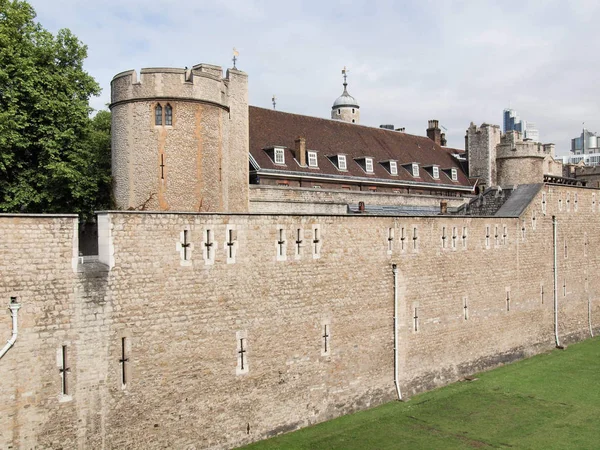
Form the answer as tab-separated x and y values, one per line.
409	61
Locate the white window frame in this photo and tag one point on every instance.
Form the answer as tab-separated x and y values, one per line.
435	170
454	174
369	165
312	159
342	162
415	170
393	168
279	156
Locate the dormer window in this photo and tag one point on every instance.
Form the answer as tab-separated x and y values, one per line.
369	165
454	174
435	170
279	156
312	159
342	162
415	170
393	168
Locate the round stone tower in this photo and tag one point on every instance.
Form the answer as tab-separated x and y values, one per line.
180	139
345	107
519	161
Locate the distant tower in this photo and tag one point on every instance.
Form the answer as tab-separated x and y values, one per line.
345	106
481	143
180	139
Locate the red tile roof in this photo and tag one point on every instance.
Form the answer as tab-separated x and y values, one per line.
270	128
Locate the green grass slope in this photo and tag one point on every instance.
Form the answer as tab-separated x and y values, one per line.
550	401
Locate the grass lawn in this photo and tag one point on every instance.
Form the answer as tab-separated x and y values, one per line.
550	401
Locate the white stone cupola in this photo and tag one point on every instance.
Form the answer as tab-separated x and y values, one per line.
345	107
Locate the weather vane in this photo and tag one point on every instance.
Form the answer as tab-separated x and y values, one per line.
274	101
235	55
345	74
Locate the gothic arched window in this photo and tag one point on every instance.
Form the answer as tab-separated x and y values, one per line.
168	115
158	115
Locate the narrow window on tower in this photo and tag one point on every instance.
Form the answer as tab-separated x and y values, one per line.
390	240
566	249
487	236
168	115
465	308
464	238
241	338
299	241
158	115
325	338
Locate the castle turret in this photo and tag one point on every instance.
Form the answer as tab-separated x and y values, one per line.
180	139
345	107
481	145
519	161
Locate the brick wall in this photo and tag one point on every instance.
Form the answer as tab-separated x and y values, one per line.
183	311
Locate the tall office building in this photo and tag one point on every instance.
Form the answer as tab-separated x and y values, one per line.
586	143
512	122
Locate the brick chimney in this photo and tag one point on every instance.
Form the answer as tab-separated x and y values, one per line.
434	133
300	150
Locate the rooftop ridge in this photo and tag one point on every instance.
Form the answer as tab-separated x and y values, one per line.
343	123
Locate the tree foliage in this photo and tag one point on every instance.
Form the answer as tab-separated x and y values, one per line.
53	156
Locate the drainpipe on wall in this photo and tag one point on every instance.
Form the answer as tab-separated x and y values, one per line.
590	315
396	362
554	233
14	309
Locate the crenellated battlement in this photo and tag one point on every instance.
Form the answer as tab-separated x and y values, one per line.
203	82
512	145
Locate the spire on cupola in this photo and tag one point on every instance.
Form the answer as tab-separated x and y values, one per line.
345	107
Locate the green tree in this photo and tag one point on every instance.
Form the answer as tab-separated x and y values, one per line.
53	157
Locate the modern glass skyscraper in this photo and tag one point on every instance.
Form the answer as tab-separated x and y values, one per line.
512	122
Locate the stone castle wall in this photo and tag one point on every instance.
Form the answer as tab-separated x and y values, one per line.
183	310
270	199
